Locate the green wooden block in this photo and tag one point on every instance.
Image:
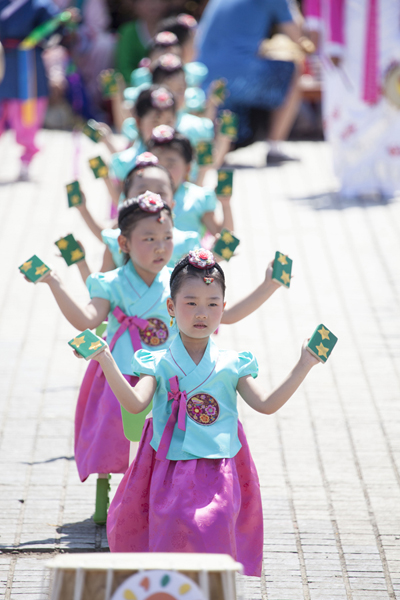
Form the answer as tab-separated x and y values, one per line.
90	129
225	181
220	89
34	269
226	245
74	194
204	152
133	424
70	249
229	124
98	167
322	343
282	270
108	83
87	344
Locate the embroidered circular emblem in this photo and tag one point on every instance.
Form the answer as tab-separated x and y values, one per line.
155	334
203	409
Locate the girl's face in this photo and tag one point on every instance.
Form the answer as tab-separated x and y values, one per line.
177	84
152	119
198	308
174	163
149	245
156	181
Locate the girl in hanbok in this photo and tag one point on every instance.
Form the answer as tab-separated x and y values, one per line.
133	300
359	43
193	486
194	205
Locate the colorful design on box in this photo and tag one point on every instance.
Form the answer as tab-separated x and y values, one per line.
203	409
155	334
158	585
226	245
91	130
229	123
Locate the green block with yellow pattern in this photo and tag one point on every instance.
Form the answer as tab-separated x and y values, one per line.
225	181
98	167
229	124
322	343
70	249
108	83
91	130
87	344
204	151
282	270
219	90
226	245
74	194
34	269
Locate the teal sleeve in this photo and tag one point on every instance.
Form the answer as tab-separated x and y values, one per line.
98	286
210	200
247	365
143	363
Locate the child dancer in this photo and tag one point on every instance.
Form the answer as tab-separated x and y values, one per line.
193	486
195	205
154	106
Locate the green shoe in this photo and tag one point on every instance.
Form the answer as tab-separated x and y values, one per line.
102	500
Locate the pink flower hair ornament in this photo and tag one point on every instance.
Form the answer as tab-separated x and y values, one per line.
187	21
146	159
201	259
169	62
151	203
166	38
162	98
163	134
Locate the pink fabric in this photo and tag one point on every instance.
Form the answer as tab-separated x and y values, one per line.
178	414
100	443
371	86
335	16
203	505
131	323
11	116
312	8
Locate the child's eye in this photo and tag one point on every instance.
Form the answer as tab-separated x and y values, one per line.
149	239
168	237
213	304
191	303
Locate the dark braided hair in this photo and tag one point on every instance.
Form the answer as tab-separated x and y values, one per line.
183	270
179	143
175	25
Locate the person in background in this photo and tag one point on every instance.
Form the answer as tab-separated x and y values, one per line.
228	40
134	37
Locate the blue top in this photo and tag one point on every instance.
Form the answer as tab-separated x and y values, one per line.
230	33
184	241
197	129
123	162
192	201
17	24
211	410
124	288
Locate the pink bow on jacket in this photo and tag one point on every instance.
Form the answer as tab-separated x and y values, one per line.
178	413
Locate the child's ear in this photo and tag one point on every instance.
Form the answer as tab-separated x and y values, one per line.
170	307
123	243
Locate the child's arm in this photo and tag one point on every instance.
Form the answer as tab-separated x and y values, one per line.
108	262
114	190
81	317
211	222
270	403
134	400
87	216
253	301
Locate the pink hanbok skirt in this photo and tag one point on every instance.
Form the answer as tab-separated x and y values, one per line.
201	505
100	443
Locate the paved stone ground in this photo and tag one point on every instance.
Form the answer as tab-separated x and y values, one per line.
328	461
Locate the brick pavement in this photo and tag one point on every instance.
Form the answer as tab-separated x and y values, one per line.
328	461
